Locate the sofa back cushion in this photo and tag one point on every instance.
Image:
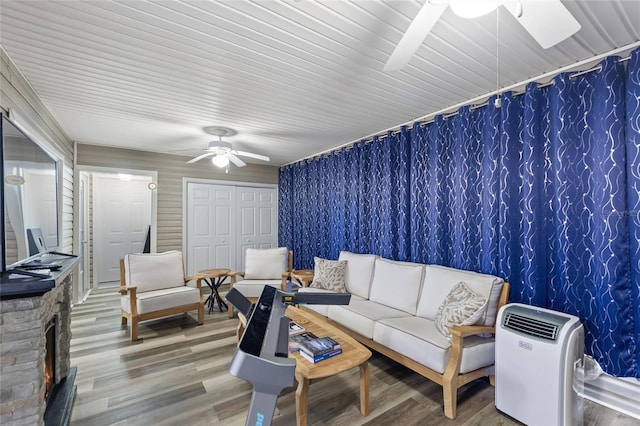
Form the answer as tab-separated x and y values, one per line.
265	264
154	271
359	272
396	284
439	280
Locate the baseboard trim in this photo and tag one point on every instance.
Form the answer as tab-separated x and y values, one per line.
620	394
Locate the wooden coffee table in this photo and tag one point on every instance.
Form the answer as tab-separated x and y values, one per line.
353	355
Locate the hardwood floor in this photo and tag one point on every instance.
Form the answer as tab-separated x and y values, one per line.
178	374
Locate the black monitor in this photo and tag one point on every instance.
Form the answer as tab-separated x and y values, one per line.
35	241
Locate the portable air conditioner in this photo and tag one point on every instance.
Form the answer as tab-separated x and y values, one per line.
538	353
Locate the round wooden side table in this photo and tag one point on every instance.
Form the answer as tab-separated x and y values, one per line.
214	279
302	276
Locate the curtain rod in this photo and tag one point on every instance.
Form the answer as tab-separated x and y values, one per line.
453	110
523	91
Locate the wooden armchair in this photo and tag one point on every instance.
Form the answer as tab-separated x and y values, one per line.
262	267
154	285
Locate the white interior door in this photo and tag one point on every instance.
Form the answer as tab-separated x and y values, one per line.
223	220
40	204
211	225
258	224
122	215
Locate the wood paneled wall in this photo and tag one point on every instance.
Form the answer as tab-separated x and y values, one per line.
171	170
18	95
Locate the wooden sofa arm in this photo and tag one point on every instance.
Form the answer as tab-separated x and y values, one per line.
188	279
460	331
451	379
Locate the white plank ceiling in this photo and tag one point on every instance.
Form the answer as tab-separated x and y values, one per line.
293	77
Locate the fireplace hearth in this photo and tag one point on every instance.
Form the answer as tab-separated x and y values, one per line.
35	364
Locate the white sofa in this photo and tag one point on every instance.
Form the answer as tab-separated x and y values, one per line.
393	310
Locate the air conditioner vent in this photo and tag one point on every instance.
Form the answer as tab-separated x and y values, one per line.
531	326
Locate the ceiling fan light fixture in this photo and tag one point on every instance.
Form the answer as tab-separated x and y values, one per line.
473	8
220	161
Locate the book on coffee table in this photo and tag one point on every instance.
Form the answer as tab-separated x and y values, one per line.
321	356
319	346
295	328
295	340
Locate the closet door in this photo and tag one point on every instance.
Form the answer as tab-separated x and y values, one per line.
211	227
258	219
223	220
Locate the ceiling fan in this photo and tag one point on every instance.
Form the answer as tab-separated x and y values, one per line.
222	152
548	21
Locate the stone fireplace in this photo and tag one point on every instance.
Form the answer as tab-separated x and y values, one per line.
34	357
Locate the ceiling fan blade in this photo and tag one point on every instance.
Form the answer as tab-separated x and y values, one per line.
252	155
415	35
235	160
200	157
549	22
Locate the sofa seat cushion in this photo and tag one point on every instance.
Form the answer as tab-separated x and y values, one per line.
157	300
324	309
396	284
359	272
253	288
419	339
440	280
361	315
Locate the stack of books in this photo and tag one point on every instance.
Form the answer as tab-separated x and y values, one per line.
297	339
318	349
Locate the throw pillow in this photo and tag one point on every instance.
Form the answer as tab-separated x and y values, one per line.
330	275
462	306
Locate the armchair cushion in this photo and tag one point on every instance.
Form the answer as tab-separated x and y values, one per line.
329	275
154	271
461	307
157	300
266	264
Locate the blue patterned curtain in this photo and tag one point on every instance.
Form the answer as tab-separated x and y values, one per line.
543	191
633	189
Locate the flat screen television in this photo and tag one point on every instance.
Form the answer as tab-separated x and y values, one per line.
29	194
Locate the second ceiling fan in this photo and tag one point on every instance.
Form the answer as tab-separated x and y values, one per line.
548	21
